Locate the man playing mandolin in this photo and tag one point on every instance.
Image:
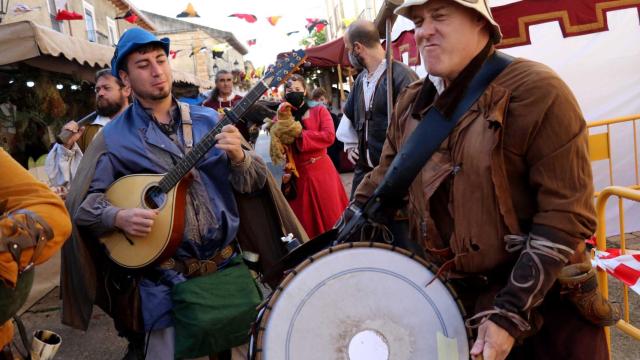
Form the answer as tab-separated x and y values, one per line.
201	300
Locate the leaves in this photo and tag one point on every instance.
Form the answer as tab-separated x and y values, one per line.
315	38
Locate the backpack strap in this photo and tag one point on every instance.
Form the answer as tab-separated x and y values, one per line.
33	231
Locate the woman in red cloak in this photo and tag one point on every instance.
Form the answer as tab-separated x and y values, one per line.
316	193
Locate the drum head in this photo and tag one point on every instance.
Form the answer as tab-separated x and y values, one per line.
362	301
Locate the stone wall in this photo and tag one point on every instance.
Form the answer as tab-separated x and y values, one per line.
43	15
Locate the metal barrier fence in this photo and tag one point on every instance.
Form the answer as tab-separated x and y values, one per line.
600	145
601	243
600	149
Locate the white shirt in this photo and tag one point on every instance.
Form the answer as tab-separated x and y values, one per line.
438	82
61	163
347	134
369	84
370	81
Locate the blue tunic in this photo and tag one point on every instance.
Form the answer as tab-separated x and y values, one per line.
134	145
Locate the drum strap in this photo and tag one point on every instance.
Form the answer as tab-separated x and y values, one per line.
427	137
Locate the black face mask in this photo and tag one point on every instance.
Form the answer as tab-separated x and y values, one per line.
295	98
355	60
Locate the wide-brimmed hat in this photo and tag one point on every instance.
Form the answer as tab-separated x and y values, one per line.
480	6
131	40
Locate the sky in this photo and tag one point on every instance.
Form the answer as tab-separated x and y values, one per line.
270	40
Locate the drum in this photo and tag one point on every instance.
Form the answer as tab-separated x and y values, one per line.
359	301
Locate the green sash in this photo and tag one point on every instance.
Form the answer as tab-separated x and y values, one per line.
12	299
214	312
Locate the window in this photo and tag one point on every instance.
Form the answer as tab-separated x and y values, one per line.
112	31
53	11
90	20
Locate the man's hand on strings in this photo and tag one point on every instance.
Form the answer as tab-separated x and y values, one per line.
136	221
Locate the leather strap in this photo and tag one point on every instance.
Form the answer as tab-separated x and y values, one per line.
32	232
428	135
187	130
192	267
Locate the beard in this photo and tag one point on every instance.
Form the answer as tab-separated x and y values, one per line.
154	96
108	108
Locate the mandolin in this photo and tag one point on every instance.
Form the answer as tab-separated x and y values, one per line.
166	193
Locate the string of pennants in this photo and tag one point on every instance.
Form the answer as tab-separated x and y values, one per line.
312	23
63	14
216	52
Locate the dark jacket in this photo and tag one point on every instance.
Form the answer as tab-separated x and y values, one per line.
377	129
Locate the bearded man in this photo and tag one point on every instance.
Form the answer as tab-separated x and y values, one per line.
112	97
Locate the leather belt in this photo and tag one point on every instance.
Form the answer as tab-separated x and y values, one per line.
191	267
312	160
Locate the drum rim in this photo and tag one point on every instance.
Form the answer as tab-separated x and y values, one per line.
266	310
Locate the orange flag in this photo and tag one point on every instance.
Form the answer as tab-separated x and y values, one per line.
189	12
273	20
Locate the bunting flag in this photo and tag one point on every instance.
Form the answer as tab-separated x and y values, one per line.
259	71
246	17
189	12
273	20
220	47
625	268
251	42
173	53
348	22
201	49
129	17
292	32
68	15
216	54
24	8
316	24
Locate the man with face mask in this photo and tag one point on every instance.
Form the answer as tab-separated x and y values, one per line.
365	128
112	97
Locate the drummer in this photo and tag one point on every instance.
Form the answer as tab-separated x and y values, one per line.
505	205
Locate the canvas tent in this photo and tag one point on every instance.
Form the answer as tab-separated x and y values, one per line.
50	50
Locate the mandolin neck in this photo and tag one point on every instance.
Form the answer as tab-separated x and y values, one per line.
171	179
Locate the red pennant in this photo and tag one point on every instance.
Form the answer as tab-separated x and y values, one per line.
246	17
317	24
68	15
132	19
129	16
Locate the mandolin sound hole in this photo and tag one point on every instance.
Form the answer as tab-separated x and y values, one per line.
154	197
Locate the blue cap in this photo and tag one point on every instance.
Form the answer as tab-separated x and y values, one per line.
131	40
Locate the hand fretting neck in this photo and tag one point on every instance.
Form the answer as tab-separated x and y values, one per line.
172	178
